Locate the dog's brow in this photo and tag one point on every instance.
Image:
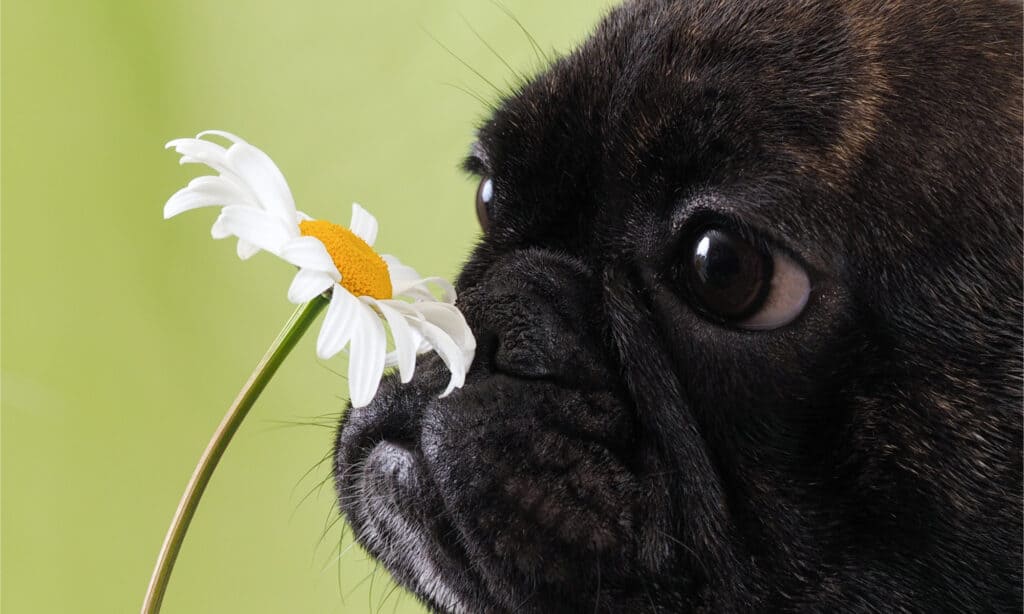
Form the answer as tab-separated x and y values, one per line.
477	150
477	161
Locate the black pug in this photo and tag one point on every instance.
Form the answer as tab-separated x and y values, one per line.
749	314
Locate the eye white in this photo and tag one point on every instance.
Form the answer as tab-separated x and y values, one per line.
790	289
487	191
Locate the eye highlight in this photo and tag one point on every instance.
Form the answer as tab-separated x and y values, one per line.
733	280
484	198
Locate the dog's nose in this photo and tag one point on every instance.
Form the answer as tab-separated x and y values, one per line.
529	313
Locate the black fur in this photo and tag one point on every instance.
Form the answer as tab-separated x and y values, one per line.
615	451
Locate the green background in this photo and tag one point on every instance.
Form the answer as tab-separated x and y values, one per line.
124	337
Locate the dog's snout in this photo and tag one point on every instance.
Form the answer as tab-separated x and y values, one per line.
529	315
529	347
393	417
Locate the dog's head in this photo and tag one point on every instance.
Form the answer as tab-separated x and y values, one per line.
748	312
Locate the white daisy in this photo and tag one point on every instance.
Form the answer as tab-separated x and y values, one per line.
367	289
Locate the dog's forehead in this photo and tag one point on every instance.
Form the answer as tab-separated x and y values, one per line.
805	79
821	121
668	94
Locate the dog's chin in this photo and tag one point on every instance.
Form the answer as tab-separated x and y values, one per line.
394	508
388	509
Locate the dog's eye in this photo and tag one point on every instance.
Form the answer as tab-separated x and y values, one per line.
746	285
484	196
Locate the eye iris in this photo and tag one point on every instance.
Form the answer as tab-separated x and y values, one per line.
728	275
484	196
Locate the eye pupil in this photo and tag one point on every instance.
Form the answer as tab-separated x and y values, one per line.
484	196
727	275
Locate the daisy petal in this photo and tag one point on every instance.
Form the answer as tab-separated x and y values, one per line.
420	289
407	341
308	284
391	360
222	133
263	177
408	310
339	322
245	249
399	272
363	224
309	253
449	351
405	280
251	225
449	319
190	146
366	357
205	192
197	151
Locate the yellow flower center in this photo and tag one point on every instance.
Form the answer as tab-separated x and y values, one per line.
363	271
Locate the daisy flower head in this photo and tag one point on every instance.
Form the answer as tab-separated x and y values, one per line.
369	292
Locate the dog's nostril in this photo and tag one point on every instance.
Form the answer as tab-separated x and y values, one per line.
487	345
537	343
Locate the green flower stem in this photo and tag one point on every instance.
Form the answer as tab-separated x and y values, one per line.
278	351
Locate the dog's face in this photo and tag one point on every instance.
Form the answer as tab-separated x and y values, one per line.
748	312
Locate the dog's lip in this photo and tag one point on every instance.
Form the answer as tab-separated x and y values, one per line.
389	477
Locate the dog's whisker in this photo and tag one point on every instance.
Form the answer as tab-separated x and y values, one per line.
369	593
318	488
323	364
326	522
394	587
337	558
472	94
537	50
330	525
364	580
515	74
316	465
280	424
497	90
337	563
